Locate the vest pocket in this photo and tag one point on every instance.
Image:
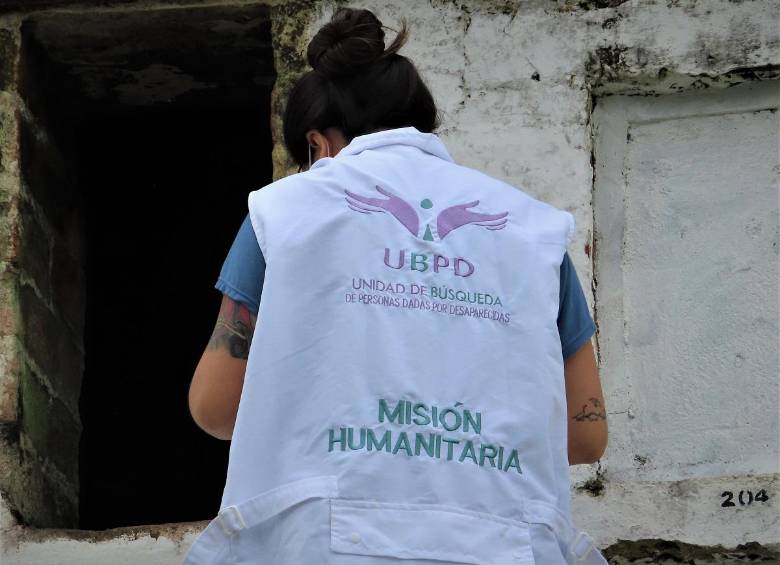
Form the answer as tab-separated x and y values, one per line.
226	534
427	531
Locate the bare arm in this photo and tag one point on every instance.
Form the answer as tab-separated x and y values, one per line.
587	414
219	377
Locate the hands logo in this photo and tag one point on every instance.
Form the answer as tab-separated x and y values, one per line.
447	221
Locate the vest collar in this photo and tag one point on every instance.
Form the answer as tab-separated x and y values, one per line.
428	142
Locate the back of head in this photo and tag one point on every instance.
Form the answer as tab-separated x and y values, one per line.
356	85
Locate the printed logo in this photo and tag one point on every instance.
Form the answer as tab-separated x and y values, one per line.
447	221
424	293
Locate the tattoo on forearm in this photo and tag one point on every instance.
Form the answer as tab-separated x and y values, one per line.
593	411
234	329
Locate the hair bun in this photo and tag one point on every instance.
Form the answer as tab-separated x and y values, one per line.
351	40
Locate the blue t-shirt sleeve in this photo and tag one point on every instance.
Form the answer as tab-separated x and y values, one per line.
243	271
575	324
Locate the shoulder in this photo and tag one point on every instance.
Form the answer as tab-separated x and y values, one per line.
534	214
273	191
292	187
241	277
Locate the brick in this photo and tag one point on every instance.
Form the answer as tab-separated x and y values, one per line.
52	346
68	287
42	495
45	173
49	426
35	250
33	487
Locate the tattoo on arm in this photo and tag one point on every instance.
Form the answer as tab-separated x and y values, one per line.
234	329
593	411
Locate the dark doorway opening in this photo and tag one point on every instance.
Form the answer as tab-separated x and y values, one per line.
164	194
166	115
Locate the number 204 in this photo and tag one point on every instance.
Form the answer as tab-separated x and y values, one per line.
745	497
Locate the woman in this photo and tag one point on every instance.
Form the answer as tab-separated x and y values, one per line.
405	395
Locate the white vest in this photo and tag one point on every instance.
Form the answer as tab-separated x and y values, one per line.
404	393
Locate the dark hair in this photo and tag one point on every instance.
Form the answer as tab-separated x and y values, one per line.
356	85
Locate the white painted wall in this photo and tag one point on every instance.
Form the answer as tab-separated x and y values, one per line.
687	216
686	211
154	545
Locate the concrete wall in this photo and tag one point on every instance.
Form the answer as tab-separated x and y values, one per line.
655	124
687	268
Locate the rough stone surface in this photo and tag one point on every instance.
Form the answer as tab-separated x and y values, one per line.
10	368
290	24
9	247
9	53
9	325
152	57
163	544
31	5
686	510
662	551
9	177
